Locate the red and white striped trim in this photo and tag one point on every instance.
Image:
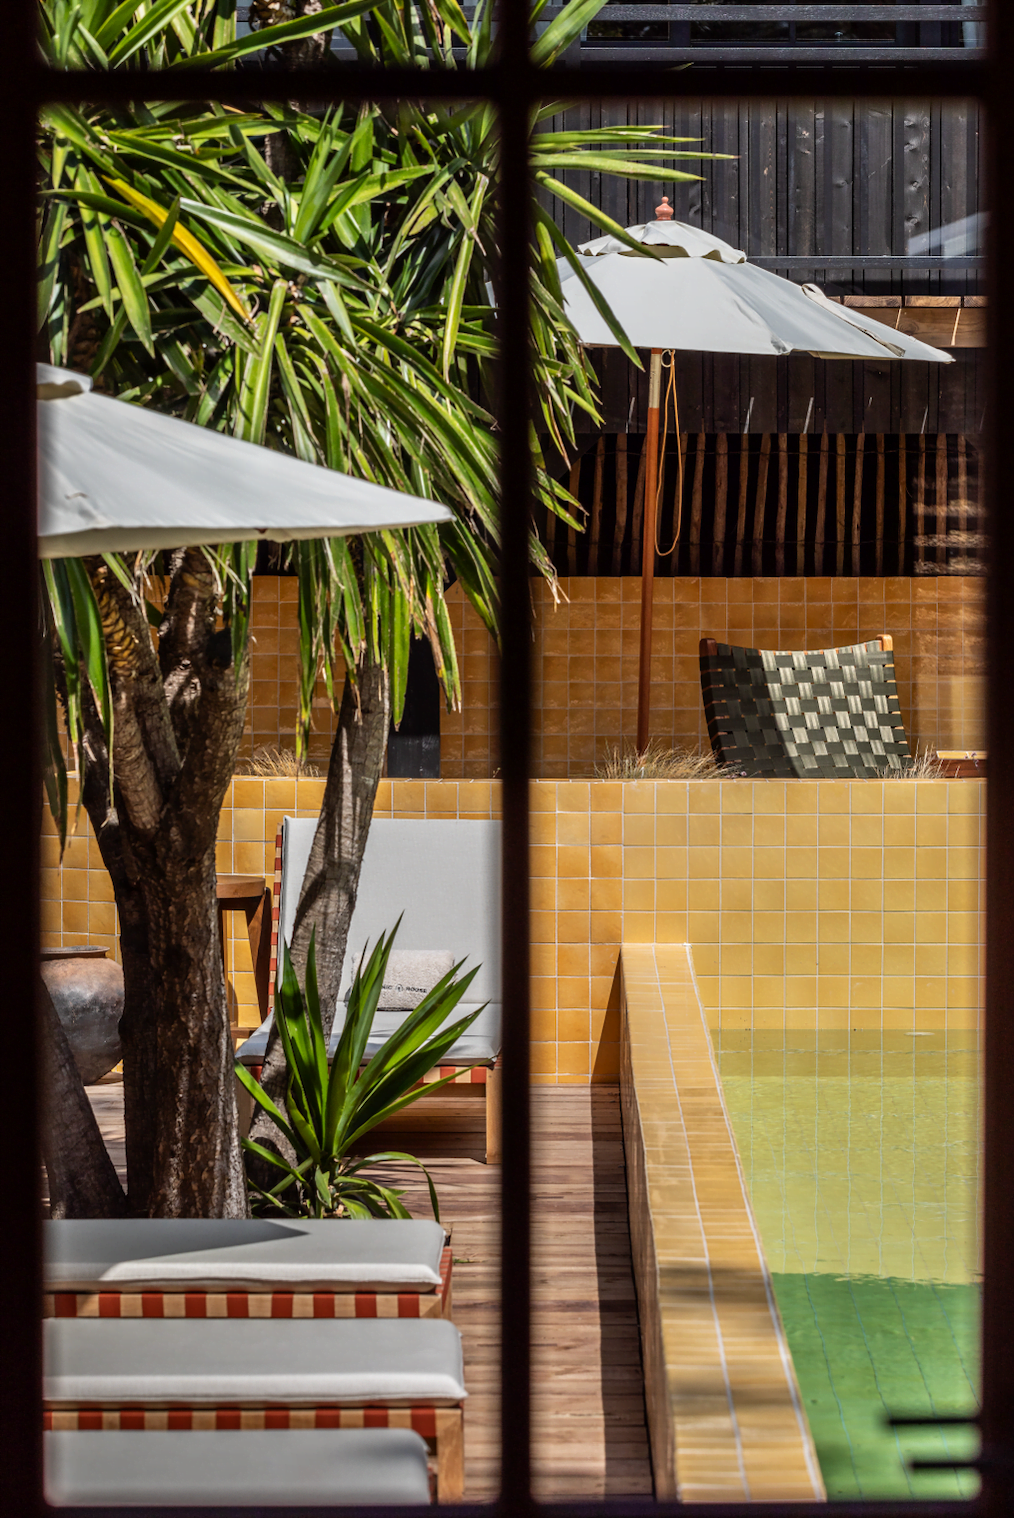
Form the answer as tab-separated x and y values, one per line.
422	1420
244	1304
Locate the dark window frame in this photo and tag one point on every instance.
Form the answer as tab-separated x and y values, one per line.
513	85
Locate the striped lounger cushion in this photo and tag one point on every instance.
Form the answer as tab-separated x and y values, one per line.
219	1268
194	1377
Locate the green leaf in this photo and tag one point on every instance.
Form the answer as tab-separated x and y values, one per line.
456	292
132	293
323	20
256	388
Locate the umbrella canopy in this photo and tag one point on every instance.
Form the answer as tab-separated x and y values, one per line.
116	478
693	291
714	304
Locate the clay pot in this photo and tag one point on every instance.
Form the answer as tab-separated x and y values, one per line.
87	992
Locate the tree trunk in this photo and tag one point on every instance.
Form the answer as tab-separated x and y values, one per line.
197	1165
328	895
177	728
82	1180
135	956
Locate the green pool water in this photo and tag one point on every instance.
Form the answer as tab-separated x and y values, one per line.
861	1154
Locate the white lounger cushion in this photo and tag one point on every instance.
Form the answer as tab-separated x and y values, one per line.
480	1045
443	879
310	1467
202	1362
209	1254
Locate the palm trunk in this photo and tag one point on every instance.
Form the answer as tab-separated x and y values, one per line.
328	896
197	1168
178	724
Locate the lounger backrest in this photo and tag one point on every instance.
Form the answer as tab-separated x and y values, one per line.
830	713
444	877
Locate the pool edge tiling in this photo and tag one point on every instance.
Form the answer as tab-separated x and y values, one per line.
724	1412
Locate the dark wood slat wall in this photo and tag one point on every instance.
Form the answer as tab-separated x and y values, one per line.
821	177
783	504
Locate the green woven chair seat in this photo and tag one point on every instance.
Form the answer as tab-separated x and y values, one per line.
828	714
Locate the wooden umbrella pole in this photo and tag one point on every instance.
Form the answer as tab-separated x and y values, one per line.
648	550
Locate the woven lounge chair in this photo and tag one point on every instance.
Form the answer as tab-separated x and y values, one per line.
223	1268
829	714
199	1377
445	878
363	1467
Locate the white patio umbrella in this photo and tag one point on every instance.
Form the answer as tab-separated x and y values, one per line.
699	293
116	477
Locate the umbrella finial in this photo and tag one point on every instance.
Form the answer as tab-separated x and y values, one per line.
664	212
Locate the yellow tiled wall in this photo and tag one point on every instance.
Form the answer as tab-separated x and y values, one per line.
809	904
586	661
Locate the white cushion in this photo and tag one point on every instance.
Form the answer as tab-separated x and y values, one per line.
444	877
411	974
208	1362
311	1467
480	1045
219	1254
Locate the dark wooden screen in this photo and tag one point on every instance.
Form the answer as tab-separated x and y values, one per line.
782	504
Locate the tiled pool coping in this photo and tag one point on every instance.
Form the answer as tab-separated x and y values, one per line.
724	1413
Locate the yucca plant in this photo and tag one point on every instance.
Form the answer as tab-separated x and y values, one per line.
328	1110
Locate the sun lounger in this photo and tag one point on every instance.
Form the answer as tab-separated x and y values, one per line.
444	878
195	1377
312	1468
219	1268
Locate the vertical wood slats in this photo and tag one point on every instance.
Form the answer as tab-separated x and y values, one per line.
744	479
721	493
596	509
820	532
760	500
801	501
913	509
621	502
857	500
697	506
783	502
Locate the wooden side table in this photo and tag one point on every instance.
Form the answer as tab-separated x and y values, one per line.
249	894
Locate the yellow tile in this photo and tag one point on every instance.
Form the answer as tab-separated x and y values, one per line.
736	927
735	862
736	958
704	831
931	831
703	927
737	830
835	796
801	796
247	792
834	830
606	827
702	863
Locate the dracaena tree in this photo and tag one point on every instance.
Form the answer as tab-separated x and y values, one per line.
315	281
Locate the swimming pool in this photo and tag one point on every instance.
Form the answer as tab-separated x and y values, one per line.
861	1154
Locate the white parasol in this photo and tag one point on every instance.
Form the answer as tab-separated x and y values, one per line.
116	477
695	292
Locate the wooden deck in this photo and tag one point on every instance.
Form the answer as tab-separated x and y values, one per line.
590	1437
